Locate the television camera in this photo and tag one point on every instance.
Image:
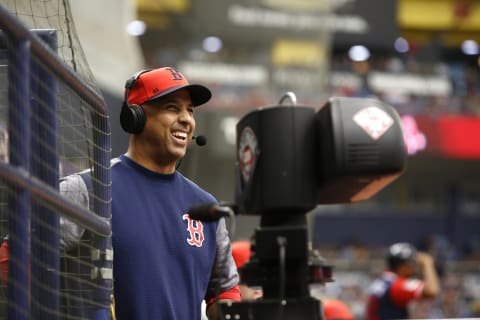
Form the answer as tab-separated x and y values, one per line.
291	158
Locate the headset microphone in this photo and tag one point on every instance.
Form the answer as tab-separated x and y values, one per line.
200	140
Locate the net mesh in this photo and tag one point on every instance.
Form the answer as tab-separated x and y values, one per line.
47	134
56	15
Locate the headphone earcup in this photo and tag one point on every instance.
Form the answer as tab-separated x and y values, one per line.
132	118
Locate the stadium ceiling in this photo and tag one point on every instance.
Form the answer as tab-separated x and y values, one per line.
448	21
349	21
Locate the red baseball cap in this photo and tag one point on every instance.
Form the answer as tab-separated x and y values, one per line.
334	309
241	252
153	84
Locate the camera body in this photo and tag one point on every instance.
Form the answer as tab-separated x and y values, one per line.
289	159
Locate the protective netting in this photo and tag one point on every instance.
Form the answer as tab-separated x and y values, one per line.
52	123
55	14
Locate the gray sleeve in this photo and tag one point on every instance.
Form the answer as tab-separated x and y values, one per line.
72	187
224	274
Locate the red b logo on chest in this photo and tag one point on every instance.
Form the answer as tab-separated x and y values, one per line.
195	230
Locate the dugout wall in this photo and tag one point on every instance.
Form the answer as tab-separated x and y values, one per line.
51	124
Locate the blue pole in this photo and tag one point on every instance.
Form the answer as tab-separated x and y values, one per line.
19	199
44	165
35	218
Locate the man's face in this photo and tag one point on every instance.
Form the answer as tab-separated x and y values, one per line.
407	269
169	127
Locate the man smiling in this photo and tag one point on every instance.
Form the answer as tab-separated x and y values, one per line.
165	263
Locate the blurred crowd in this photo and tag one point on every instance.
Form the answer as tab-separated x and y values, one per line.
459	296
355	267
463	79
461	96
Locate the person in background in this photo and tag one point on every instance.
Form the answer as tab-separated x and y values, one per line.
391	293
333	309
241	252
4	257
165	263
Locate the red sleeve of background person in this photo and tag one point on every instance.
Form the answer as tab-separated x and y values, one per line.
4	263
334	309
404	290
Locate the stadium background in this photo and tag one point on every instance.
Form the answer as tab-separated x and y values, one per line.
271	46
416	63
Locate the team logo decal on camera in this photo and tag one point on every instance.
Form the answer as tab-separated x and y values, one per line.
374	121
247	152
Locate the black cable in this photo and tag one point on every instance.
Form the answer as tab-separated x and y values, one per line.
282	249
282	244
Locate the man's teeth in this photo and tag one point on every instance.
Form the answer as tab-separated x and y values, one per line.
179	134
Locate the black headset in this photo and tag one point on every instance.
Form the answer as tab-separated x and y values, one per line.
132	116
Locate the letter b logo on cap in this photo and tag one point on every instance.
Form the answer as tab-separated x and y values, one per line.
176	75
